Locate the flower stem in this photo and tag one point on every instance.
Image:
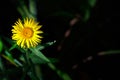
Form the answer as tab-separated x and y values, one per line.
27	57
26	65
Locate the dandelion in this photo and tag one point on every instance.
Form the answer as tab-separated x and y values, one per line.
26	33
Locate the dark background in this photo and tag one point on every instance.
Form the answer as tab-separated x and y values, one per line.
99	33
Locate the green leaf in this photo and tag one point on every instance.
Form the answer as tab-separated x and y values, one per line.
11	42
39	54
53	60
109	52
87	15
10	60
43	46
32	8
60	73
36	60
8	54
92	2
24	10
13	47
65	76
1	45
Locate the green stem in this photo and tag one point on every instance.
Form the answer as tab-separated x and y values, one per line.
27	57
33	74
26	65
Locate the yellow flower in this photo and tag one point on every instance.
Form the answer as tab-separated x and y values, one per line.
26	33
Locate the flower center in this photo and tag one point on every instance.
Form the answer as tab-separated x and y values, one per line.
27	32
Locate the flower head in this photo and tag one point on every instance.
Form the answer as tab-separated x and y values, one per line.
26	33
